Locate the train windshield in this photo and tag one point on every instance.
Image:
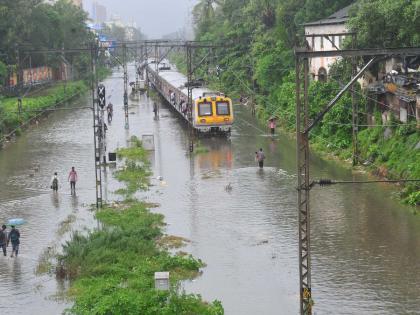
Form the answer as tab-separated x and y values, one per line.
222	108
204	109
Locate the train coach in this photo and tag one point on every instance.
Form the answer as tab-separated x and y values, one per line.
211	112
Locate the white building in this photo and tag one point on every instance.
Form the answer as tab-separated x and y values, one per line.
334	24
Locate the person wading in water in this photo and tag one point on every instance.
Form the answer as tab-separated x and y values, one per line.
272	126
14	237
73	179
54	182
3	239
260	157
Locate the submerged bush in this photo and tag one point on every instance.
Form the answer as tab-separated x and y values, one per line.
113	268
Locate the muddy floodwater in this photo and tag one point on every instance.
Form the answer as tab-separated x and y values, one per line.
240	220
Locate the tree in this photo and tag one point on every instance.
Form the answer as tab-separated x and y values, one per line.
387	23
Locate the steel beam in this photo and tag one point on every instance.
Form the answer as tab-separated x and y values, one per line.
379	52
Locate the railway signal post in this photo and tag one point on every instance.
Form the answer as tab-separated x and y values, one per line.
125	86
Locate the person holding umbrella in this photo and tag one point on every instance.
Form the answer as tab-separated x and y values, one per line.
272	125
14	237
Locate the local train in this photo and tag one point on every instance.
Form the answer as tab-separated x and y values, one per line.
211	113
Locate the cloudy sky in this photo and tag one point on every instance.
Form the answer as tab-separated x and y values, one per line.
154	17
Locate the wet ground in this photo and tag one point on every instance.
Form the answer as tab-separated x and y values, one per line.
365	246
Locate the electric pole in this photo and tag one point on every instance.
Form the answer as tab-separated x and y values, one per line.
125	86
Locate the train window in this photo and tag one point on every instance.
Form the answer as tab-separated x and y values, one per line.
204	109
222	108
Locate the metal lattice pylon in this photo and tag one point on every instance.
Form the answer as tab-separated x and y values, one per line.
302	123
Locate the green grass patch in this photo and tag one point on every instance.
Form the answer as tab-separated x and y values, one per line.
395	157
136	171
112	269
33	105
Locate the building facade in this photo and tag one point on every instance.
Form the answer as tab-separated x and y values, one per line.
99	13
334	24
78	3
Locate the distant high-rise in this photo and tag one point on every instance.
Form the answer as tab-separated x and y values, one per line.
78	3
99	13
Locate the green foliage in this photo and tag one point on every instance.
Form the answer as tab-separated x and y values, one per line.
113	268
387	23
397	155
413	199
39	25
135	172
33	105
3	72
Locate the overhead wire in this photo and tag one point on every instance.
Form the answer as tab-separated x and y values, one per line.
291	124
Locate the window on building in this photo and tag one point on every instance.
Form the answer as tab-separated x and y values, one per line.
322	42
322	75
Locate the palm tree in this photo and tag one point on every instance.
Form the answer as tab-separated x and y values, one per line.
204	10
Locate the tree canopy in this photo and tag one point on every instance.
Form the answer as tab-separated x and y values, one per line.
387	23
34	24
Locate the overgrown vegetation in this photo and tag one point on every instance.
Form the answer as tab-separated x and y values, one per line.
32	106
258	63
395	157
112	269
136	171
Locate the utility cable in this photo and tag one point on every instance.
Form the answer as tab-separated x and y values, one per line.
328	182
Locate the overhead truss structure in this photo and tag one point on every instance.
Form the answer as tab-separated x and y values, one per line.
303	127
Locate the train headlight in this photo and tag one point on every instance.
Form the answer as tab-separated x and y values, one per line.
226	119
203	121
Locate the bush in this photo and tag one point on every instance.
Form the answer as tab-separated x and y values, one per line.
113	268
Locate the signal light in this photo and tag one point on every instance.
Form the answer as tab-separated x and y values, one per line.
101	96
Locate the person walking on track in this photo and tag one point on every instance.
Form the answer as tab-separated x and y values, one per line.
73	179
